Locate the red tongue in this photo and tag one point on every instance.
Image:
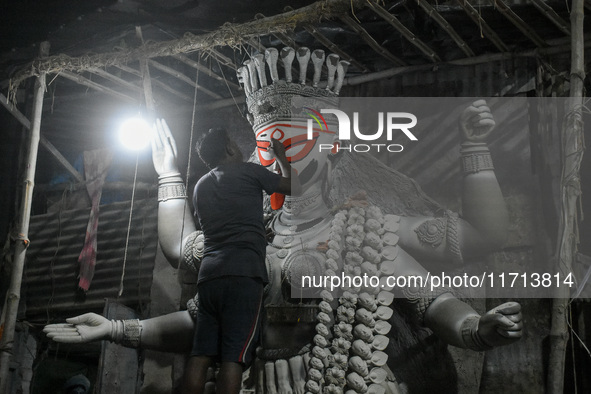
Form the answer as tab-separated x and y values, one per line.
277	200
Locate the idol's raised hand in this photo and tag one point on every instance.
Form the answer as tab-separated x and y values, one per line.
164	151
476	122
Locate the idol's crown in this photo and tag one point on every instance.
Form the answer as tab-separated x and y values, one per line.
273	100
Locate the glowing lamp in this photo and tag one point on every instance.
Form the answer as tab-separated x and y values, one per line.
135	133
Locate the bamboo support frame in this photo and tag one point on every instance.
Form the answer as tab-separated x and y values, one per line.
43	141
233	35
406	33
156	82
549	13
79	79
331	46
146	79
365	36
113	78
284	38
518	23
440	20
182	77
570	192
487	31
198	66
14	291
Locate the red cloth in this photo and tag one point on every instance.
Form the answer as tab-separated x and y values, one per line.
96	165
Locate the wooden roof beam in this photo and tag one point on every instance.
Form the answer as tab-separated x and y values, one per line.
156	82
440	20
79	79
487	31
365	36
182	77
519	23
114	78
331	46
549	13
285	39
198	66
406	33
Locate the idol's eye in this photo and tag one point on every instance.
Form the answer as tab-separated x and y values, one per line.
298	147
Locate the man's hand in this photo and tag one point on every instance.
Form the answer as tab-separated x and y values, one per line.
277	149
501	325
164	152
80	329
476	122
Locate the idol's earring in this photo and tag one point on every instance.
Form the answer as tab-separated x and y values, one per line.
335	148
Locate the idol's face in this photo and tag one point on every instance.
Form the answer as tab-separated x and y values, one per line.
304	154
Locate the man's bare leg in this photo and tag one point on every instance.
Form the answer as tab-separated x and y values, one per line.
229	378
195	375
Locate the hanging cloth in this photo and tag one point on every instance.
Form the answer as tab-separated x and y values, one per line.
96	166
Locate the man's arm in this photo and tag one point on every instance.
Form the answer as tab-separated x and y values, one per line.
289	183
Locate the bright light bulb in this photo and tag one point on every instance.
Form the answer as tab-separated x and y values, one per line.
135	133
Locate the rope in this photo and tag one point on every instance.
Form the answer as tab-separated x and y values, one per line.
128	226
189	161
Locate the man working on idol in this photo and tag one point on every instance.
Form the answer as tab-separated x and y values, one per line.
228	203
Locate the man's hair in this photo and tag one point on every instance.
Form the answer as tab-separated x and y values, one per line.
212	148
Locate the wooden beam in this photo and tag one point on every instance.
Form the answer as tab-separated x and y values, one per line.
487	31
549	13
42	140
440	20
156	82
223	59
79	79
227	35
182	77
146	80
113	78
519	23
167	88
365	36
195	64
333	47
406	33
256	45
284	38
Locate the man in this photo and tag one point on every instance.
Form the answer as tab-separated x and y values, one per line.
228	202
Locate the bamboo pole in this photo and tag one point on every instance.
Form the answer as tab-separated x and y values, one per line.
570	191
512	17
14	291
406	33
233	35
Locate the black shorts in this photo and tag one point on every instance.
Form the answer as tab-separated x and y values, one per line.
228	318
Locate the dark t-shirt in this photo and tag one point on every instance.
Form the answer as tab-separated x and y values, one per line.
228	202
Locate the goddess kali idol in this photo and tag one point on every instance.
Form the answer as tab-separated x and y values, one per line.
353	339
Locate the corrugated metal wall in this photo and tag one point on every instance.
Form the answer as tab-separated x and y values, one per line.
50	284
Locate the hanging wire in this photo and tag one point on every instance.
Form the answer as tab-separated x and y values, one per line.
189	162
229	90
128	225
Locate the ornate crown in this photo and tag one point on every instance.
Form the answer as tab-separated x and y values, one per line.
285	98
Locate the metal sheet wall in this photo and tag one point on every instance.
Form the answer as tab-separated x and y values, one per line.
50	285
